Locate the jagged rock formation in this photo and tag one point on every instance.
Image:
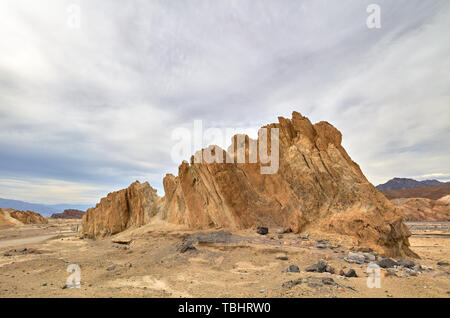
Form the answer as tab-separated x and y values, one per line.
68	214
15	217
317	186
120	210
422	209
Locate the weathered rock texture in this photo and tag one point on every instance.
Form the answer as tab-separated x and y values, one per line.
433	193
421	209
120	210
15	217
317	186
68	214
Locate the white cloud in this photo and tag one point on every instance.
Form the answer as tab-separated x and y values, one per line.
95	107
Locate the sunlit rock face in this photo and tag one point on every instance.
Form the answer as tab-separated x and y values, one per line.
316	186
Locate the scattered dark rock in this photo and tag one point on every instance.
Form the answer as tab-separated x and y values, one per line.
293	269
186	246
386	262
322	244
442	263
351	273
341	272
7	254
391	272
292	283
262	230
355	258
329	269
122	241
64	286
328	281
406	263
320	267
111	267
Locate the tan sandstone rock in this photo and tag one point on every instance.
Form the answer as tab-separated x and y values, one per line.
14	217
422	209
133	206
317	186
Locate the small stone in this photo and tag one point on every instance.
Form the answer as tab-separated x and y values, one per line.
186	246
386	262
262	230
44	284
304	236
357	258
369	257
320	267
391	272
328	281
293	269
406	263
283	231
442	263
329	269
64	286
111	267
292	283
417	267
261	290
322	244
351	273
282	257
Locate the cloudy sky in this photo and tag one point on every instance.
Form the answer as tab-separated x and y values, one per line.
87	108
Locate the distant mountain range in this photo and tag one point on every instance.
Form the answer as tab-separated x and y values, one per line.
405	183
43	209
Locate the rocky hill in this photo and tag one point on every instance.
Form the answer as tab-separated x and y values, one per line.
68	214
433	193
405	183
15	217
316	188
421	209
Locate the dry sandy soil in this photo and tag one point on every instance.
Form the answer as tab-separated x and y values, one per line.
156	261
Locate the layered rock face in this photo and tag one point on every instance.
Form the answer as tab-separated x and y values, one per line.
422	209
15	217
317	186
68	214
120	210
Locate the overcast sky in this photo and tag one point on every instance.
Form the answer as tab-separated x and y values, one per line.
87	109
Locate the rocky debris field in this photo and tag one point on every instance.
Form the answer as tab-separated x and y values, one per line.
150	262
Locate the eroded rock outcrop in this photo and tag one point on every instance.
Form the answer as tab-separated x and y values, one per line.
133	206
422	209
317	186
68	214
15	217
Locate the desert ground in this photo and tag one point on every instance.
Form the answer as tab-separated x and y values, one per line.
161	260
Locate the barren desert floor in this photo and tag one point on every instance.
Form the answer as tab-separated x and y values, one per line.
167	261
